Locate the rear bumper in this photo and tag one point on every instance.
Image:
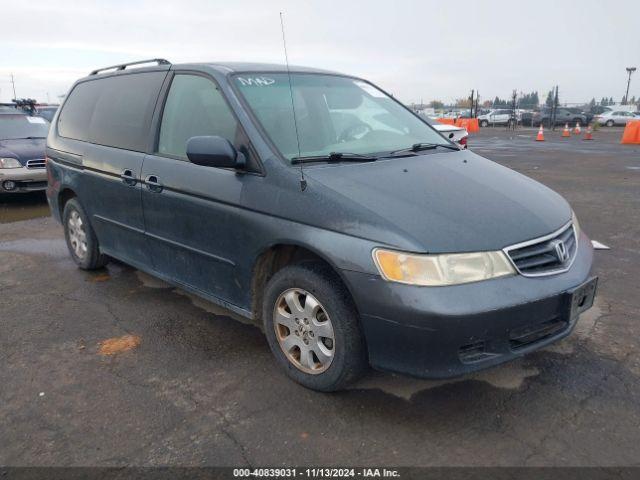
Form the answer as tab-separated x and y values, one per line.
449	331
25	179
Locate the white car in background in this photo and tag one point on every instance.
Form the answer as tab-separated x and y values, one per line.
458	135
617	117
495	117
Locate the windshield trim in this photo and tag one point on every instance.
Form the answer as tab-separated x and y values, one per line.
262	131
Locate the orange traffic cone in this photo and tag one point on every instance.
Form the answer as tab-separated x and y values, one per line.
540	137
576	131
565	132
588	135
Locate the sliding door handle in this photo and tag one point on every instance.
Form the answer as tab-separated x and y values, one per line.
153	184
128	178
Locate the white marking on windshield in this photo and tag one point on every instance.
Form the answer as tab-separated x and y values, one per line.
256	81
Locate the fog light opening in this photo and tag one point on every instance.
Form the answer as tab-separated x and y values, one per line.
9	185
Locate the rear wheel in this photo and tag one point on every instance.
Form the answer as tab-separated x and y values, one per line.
312	327
81	239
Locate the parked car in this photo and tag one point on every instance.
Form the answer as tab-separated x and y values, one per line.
526	118
458	135
47	112
599	109
349	228
495	117
588	116
22	152
617	117
563	116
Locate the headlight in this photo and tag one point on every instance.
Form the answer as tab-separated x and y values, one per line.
444	269
576	225
9	163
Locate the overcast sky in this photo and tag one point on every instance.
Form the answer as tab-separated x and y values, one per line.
414	49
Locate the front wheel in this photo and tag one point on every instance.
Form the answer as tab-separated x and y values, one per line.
81	239
484	123
312	327
609	123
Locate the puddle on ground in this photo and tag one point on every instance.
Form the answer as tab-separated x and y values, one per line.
151	281
112	346
509	376
212	308
53	247
23	206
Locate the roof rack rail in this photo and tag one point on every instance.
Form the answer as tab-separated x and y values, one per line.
122	66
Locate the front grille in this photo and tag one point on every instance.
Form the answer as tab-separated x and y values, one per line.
36	163
544	256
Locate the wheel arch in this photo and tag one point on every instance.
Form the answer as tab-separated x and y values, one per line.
276	256
64	196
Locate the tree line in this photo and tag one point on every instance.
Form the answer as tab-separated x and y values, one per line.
529	101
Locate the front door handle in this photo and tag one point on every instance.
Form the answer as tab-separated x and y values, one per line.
153	184
128	178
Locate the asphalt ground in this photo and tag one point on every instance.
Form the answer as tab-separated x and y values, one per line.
196	387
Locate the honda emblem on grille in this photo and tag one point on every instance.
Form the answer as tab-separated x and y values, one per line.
561	250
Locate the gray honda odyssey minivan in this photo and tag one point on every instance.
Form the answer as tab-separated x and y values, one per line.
317	205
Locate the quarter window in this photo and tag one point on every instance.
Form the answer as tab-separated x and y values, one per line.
113	111
194	107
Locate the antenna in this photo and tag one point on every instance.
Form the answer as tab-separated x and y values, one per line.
303	182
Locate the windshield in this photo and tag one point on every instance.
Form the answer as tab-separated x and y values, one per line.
333	114
22	126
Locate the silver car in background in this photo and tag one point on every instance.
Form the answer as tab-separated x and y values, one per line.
617	117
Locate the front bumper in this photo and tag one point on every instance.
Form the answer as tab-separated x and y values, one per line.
25	179
442	332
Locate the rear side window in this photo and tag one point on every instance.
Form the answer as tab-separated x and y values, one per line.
194	107
114	111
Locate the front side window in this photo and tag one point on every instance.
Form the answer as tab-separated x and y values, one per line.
194	107
332	113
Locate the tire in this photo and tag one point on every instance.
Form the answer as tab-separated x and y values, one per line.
334	315
484	123
78	231
610	123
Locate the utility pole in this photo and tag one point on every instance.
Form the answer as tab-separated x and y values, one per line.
514	119
14	87
554	110
630	70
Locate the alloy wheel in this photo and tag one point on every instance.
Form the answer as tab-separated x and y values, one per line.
304	331
77	235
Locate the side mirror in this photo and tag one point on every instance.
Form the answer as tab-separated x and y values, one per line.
214	151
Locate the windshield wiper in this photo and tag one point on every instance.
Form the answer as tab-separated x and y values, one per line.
334	157
24	138
418	147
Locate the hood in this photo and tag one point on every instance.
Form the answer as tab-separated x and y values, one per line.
446	202
23	149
